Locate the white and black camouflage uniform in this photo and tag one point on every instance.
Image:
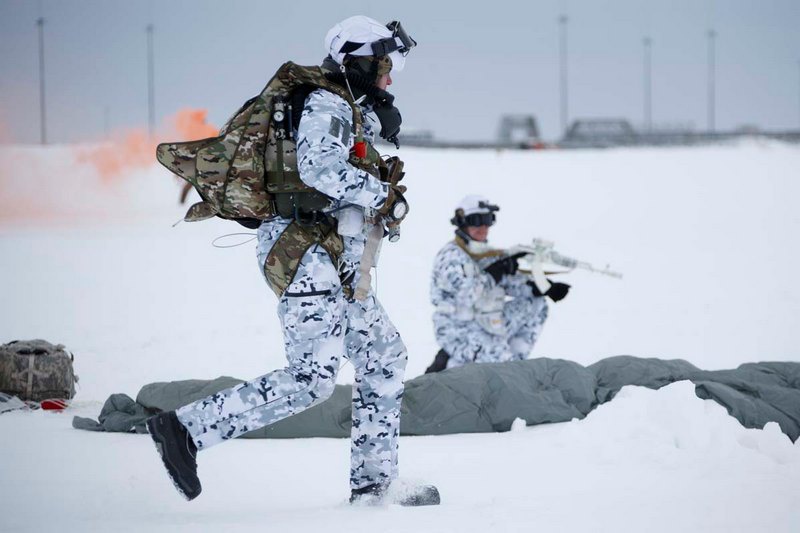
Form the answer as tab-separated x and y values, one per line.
460	288
320	324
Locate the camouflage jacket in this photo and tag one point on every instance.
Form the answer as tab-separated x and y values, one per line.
459	283
324	140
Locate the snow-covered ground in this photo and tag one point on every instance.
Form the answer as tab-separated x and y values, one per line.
707	239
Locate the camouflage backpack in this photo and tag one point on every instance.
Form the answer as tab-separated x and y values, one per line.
36	370
250	170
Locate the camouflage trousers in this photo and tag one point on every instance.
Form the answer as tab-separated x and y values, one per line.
467	342
320	327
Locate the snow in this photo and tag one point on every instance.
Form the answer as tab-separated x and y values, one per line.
707	241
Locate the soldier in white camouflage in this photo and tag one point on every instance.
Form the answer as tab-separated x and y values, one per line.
485	310
322	321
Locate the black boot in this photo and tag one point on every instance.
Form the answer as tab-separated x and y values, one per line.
439	362
397	494
369	495
177	451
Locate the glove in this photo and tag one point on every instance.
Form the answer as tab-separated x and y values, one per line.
395	208
506	266
390	120
557	291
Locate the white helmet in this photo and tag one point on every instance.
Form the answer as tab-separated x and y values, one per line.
363	36
474	210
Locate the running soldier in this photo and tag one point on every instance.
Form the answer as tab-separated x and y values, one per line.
326	306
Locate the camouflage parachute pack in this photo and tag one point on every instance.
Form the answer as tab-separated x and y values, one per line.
240	173
36	370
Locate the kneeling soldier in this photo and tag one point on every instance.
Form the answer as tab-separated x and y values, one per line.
486	311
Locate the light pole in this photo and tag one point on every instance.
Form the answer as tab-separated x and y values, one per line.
712	35
562	22
42	109
647	84
151	104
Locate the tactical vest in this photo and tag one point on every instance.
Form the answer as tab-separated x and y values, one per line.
250	170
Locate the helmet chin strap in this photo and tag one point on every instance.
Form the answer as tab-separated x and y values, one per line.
474	246
464	235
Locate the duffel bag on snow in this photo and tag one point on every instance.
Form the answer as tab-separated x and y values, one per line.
36	370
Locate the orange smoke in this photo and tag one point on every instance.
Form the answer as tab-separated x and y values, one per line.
134	149
127	152
191	125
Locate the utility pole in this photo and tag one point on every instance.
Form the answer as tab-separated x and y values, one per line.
42	109
562	22
151	104
712	35
647	85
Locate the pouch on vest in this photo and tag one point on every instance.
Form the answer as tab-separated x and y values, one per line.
284	258
489	312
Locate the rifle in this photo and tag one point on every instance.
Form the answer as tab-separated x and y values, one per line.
542	252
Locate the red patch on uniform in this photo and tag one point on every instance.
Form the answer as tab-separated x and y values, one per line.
360	149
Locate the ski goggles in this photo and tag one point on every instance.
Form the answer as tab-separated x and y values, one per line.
400	41
479	219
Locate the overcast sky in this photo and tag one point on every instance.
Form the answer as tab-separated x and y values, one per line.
475	60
